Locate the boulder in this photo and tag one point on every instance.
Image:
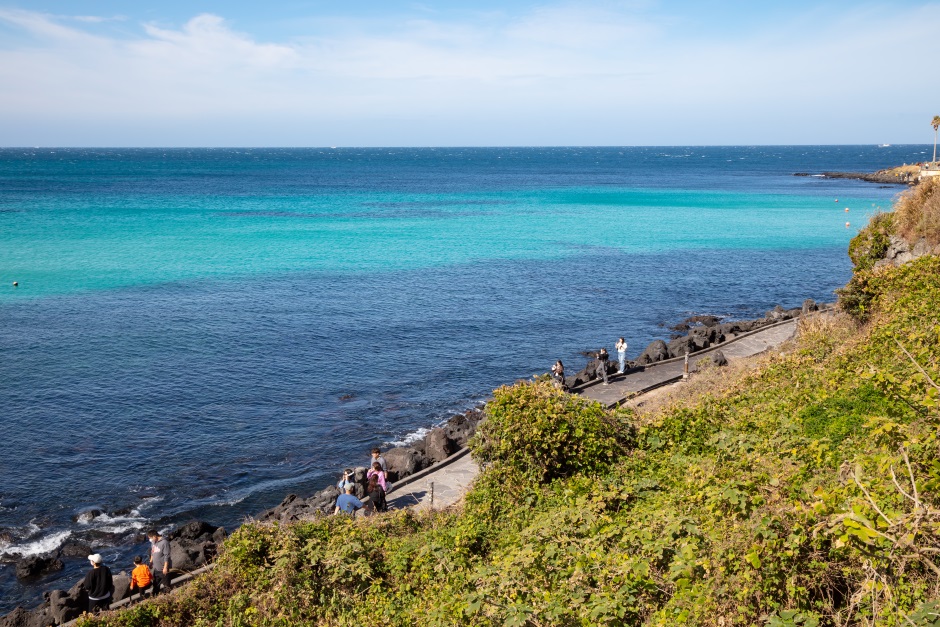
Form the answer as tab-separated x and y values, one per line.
122	585
809	305
193	530
716	358
680	347
461	427
17	618
37	566
656	351
437	445
404	461
75	549
87	516
64	607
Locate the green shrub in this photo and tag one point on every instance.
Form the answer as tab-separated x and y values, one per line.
543	434
871	244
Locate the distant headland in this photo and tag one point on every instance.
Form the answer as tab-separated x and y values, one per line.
907	174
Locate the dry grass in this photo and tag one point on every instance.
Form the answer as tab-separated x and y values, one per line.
917	212
820	332
709	380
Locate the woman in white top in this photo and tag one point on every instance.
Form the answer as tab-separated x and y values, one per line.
621	347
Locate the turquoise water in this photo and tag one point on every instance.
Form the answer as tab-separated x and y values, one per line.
197	333
63	245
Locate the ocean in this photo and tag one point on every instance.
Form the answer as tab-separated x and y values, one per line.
197	333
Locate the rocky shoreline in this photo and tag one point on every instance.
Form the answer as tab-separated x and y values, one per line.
701	332
194	544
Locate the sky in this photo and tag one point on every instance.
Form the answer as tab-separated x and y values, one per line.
482	73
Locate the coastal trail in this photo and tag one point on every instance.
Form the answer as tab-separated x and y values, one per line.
451	478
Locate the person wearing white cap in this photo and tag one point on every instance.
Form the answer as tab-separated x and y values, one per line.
98	584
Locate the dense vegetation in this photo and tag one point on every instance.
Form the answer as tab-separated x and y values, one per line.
805	491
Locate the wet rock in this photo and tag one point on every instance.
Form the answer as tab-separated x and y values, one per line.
192	530
74	548
37	566
87	516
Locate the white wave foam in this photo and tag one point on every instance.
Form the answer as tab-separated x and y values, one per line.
412	437
122	528
37	547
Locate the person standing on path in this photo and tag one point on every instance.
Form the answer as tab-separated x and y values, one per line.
99	585
602	358
621	347
160	561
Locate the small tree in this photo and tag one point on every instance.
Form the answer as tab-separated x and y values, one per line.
935	123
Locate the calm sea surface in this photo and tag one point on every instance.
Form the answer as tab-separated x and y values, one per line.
197	333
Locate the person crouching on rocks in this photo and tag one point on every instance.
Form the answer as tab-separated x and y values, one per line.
602	358
140	578
160	561
99	585
347	502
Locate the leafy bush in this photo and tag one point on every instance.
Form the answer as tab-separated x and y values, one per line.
544	434
871	244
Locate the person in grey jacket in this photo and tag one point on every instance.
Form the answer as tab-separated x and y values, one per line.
160	561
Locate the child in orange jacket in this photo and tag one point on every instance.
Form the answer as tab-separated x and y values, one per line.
140	578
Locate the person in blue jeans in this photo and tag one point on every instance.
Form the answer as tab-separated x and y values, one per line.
621	347
347	503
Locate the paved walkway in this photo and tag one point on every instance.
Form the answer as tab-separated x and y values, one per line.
623	387
449	483
452	479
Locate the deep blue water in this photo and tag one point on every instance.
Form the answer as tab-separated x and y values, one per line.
197	333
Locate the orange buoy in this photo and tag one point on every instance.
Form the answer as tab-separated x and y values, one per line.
846	225
846	209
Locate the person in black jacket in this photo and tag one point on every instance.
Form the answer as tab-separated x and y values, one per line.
601	370
99	585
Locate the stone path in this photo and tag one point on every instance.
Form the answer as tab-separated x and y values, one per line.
452	479
625	386
450	483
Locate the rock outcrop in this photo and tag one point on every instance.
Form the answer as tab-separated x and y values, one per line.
37	566
900	251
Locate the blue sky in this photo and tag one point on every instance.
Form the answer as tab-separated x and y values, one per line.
370	73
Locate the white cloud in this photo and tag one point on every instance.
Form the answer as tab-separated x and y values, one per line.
559	72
